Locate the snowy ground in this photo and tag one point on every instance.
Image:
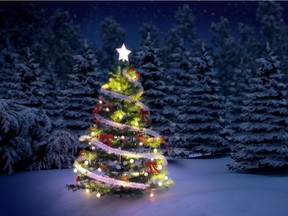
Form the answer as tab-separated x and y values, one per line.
202	187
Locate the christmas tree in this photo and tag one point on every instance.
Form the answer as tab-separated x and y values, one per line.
261	140
120	155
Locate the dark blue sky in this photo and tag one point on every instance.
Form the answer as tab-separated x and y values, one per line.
131	15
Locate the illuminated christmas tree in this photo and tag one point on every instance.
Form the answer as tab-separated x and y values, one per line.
120	155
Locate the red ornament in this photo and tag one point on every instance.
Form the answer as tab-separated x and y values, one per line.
104	137
78	178
141	137
137	74
163	140
80	152
96	110
132	68
145	114
152	166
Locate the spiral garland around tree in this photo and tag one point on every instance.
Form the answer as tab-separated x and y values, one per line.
120	155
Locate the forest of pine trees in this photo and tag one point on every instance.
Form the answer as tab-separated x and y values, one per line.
219	97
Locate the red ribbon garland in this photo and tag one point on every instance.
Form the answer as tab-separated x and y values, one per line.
78	178
104	137
152	166
144	114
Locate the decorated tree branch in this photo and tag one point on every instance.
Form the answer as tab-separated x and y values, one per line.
120	155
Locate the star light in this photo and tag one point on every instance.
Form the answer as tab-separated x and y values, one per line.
123	53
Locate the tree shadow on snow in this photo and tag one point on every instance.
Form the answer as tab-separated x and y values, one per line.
269	171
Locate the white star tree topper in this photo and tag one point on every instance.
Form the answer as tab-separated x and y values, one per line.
123	53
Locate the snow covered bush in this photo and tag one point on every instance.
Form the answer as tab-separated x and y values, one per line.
14	146
57	150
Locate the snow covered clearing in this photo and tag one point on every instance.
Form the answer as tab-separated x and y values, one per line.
203	187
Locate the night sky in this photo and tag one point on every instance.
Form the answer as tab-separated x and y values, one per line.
132	14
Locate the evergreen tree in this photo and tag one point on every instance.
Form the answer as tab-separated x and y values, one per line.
186	26
270	16
83	85
115	160
112	35
7	70
238	87
172	41
250	44
227	54
261	141
202	113
157	94
64	42
152	30
26	89
274	29
183	32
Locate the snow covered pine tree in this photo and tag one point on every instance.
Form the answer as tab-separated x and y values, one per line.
120	156
82	90
157	95
262	139
202	113
26	91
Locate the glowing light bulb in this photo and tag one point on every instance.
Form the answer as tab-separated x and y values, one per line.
134	77
86	162
107	109
87	190
93	147
99	169
93	133
141	143
155	151
131	161
160	167
115	137
100	102
136	173
151	195
166	178
119	89
136	123
75	170
122	137
152	159
121	116
98	195
145	174
110	79
160	184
